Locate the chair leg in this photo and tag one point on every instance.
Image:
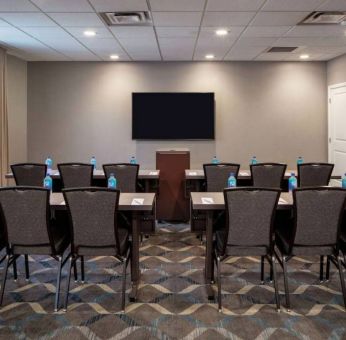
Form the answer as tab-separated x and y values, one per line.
271	273
7	259
58	280
273	268
75	274
218	265
27	272
328	269
68	282
287	293
124	283
321	267
342	279
262	270
82	268
15	275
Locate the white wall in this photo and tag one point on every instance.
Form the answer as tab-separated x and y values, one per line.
275	110
336	70
17	109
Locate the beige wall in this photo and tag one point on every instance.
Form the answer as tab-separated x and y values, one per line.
274	110
336	70
17	109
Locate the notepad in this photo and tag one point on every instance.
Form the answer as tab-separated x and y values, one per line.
153	173
281	200
207	200
193	173
62	203
137	201
243	173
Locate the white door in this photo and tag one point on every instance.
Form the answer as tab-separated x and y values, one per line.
337	127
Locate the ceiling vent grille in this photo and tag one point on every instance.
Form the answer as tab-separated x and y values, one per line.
281	49
127	18
324	18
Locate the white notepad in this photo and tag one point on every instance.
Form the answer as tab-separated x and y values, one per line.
243	173
193	173
153	173
281	200
207	200
137	201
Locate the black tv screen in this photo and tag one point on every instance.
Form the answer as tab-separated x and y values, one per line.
173	116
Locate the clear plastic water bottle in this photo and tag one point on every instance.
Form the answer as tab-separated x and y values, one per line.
300	160
292	182
112	182
232	181
93	162
253	160
48	182
133	160
49	163
343	181
215	160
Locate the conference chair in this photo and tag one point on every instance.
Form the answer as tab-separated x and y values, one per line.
314	174
249	230
76	175
25	214
29	174
125	173
94	229
267	175
315	231
216	175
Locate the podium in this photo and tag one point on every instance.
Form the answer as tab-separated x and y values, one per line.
172	204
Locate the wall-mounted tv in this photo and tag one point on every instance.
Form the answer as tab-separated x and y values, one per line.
188	115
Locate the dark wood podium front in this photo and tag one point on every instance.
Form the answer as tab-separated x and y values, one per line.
172	204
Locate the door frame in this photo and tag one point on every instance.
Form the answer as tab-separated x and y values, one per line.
330	89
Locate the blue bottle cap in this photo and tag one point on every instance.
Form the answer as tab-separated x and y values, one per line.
231	173
292	174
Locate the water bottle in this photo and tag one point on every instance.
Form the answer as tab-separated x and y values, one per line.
343	182
49	163
112	182
232	181
133	160
93	162
215	160
48	182
253	160
300	160
292	182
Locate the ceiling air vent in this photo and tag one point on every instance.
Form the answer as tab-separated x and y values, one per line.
281	49
127	18
326	18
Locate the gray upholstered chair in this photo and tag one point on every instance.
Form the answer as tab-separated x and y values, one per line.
125	173
249	230
76	175
267	175
25	214
94	228
31	174
316	229
216	175
314	174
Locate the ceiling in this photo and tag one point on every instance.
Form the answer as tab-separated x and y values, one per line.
183	30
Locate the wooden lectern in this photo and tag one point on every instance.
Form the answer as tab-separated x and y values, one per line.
171	202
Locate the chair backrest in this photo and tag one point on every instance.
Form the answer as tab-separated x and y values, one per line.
216	175
31	174
267	175
125	173
314	174
250	216
25	215
318	213
93	218
76	175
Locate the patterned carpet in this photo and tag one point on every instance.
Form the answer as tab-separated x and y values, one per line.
172	300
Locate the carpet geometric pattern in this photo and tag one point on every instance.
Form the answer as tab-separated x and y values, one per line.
172	300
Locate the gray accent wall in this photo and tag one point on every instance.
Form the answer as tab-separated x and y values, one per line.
336	70
17	108
274	110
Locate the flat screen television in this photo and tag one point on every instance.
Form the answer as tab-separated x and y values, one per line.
173	116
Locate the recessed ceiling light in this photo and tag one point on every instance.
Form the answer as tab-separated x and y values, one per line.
89	33
304	56
221	32
114	57
209	56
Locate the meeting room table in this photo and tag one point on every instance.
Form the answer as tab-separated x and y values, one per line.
134	203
